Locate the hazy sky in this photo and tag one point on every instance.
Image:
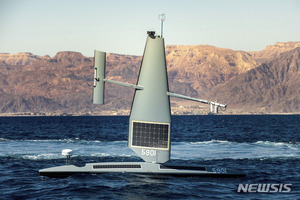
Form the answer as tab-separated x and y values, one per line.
45	27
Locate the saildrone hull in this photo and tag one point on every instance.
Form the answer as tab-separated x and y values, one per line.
141	168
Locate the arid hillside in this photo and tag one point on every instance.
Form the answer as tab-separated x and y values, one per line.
272	87
249	82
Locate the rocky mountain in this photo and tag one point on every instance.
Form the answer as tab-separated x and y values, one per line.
204	66
63	83
272	87
264	81
270	52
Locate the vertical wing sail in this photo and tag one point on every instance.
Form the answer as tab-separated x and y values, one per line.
99	75
150	118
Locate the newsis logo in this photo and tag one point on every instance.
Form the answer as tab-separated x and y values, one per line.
265	188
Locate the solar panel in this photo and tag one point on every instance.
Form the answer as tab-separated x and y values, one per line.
147	134
116	166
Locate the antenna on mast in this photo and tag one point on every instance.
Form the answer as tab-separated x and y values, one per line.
162	18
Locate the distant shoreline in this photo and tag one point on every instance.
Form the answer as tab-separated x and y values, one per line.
111	115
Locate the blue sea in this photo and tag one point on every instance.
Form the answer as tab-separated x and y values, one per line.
266	147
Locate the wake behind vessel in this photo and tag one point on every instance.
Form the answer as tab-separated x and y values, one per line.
149	134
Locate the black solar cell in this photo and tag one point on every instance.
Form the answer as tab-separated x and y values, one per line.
150	135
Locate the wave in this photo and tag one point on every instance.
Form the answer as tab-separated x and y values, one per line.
73	140
225	142
224	149
201	150
211	141
259	143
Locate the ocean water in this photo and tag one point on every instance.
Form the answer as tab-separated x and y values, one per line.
266	147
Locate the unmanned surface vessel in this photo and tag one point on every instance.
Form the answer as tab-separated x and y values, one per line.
149	122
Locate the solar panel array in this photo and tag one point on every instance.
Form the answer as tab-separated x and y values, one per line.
150	135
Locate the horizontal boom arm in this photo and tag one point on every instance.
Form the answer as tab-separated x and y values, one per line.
194	99
138	87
